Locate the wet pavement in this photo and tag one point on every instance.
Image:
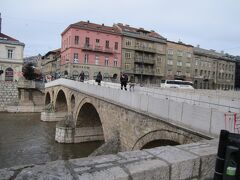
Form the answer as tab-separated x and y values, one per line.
24	139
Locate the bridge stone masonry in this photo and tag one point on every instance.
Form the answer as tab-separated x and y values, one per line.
101	113
128	123
189	161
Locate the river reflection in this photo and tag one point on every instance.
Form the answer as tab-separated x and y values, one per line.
24	139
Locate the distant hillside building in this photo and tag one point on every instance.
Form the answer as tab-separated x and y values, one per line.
11	57
50	63
35	60
91	48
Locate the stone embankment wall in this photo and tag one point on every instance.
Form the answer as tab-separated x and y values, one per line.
8	94
189	161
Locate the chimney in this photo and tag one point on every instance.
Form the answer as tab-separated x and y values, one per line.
102	24
0	23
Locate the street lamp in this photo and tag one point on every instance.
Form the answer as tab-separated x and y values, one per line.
141	83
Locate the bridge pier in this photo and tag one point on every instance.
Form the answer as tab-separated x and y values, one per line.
53	116
66	134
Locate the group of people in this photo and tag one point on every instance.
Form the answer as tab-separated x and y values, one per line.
123	80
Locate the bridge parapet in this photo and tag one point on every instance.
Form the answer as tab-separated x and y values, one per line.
190	161
204	119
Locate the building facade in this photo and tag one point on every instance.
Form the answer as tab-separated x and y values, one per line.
143	54
50	64
91	48
179	61
11	58
213	70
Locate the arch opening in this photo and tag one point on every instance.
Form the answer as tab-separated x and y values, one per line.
88	117
9	74
158	143
72	102
47	99
61	102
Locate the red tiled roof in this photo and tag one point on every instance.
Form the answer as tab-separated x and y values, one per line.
95	27
8	38
128	28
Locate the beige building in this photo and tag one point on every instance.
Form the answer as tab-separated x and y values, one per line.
143	54
179	61
51	63
213	70
11	58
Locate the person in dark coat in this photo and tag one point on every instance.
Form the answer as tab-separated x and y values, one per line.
81	76
99	78
124	80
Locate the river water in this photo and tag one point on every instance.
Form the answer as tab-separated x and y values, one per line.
24	139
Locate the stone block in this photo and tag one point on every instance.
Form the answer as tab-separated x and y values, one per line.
52	170
184	165
115	173
207	154
154	169
94	160
129	156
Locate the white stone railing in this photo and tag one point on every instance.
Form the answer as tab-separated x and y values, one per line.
206	119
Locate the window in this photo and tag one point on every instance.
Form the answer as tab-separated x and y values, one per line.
97	42
10	53
75	57
188	74
96	60
188	64
189	55
127	55
170	51
76	40
170	62
87	41
128	43
180	53
179	73
196	72
107	44
127	66
86	59
106	61
196	62
179	63
116	46
115	62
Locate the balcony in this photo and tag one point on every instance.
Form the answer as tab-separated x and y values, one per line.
144	60
146	49
88	47
144	71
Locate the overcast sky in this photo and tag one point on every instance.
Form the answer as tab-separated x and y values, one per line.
213	24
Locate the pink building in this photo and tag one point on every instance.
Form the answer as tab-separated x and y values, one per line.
91	48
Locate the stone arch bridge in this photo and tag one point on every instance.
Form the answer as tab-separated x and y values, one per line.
101	113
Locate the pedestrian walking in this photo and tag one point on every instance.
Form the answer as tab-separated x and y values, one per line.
81	76
99	78
124	80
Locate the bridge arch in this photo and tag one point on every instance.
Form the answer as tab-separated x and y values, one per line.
160	137
87	114
47	98
61	104
72	102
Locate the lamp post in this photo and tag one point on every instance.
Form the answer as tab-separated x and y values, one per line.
141	84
